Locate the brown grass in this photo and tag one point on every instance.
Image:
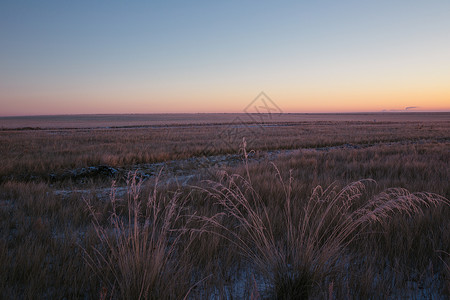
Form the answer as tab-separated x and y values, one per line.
400	248
142	253
142	120
313	237
35	154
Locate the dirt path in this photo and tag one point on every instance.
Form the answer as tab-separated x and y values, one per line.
187	171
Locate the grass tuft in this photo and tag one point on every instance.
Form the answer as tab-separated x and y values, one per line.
140	253
313	240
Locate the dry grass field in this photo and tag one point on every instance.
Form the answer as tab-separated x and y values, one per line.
308	207
147	120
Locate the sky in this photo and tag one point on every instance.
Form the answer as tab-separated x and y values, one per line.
86	57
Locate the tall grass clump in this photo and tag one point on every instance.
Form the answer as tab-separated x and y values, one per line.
305	242
142	250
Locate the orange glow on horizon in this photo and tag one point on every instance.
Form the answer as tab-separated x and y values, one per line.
325	100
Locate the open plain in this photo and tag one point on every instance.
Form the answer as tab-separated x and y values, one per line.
173	206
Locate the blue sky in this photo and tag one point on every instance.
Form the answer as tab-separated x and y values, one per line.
60	57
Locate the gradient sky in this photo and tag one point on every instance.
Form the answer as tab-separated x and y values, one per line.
71	57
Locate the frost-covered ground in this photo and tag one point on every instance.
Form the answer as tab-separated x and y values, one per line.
184	172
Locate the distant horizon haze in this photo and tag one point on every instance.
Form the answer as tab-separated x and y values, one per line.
229	113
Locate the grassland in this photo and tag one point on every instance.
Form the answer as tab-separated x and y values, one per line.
300	224
35	153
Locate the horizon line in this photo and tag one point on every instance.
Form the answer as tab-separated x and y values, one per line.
243	113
